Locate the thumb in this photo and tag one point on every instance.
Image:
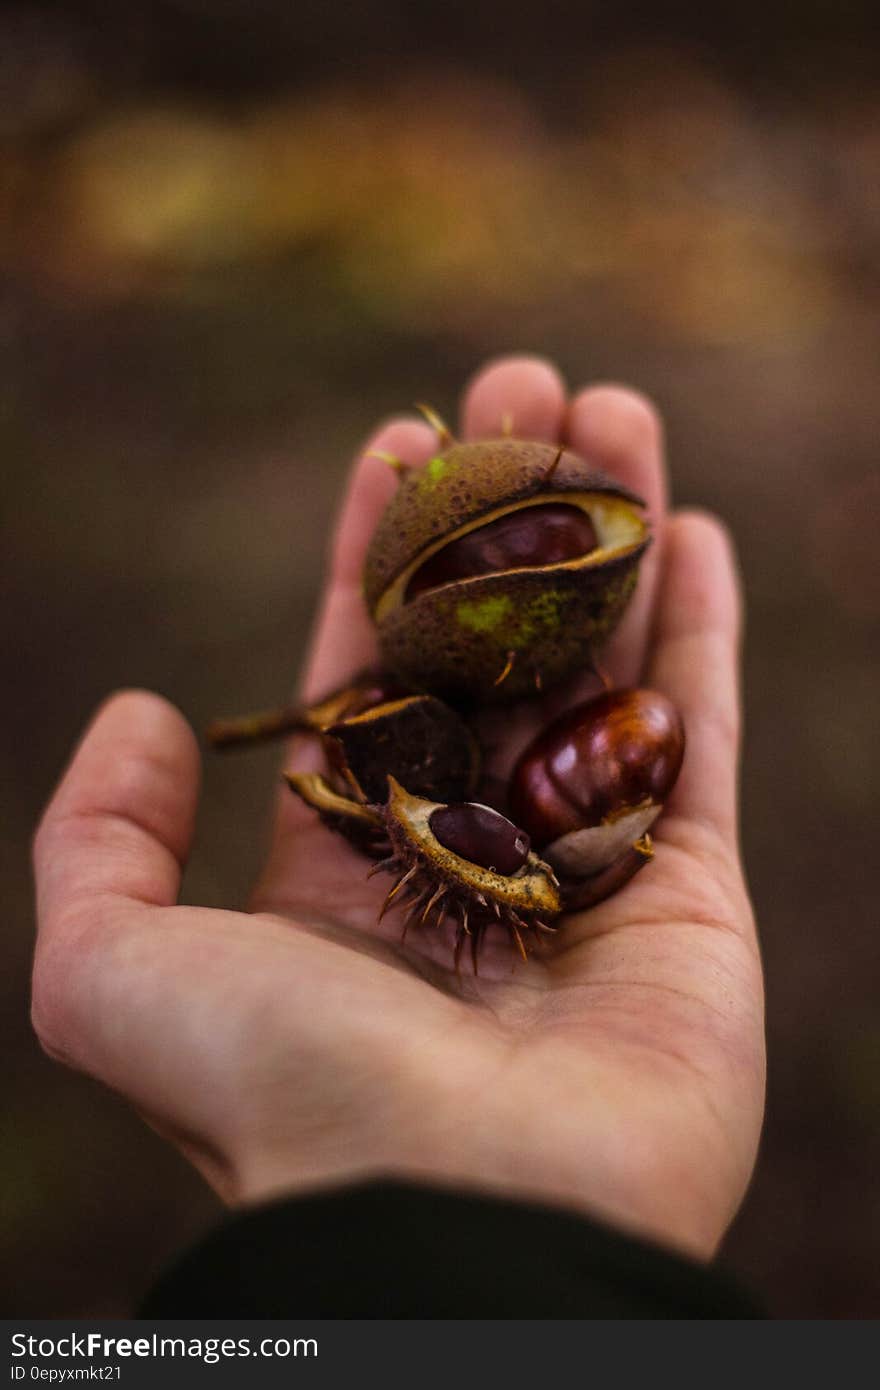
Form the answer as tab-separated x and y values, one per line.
120	823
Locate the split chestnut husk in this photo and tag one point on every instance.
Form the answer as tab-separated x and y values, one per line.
417	739
500	568
369	729
437	880
460	860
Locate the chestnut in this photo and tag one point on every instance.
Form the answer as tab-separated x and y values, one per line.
481	835
592	784
543	535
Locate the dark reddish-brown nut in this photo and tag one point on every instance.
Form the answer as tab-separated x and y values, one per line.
481	835
592	784
532	536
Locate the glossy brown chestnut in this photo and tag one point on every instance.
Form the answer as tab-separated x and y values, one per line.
481	835
543	535
620	750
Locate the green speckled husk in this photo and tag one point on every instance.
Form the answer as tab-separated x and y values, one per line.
455	641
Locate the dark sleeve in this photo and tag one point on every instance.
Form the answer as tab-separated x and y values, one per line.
389	1250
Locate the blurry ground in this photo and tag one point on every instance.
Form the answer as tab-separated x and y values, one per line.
206	303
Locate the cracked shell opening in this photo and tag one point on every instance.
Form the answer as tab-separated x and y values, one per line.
563	531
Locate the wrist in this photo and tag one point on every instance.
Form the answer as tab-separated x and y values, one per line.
657	1196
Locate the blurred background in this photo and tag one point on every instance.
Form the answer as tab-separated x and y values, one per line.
233	233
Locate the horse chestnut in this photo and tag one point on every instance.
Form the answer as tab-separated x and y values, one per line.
529	537
595	780
481	835
496	570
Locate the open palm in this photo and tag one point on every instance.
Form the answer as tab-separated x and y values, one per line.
619	1072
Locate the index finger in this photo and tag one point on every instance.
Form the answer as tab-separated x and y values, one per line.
343	642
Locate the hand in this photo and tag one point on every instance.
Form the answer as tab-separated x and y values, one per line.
620	1073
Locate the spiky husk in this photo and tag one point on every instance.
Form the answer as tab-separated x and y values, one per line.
435	884
430	903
